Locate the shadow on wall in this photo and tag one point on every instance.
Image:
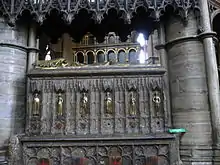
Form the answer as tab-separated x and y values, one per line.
216	28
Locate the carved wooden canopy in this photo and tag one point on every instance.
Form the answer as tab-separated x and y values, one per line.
68	9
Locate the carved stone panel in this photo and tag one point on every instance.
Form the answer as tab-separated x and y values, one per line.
59	112
95	106
47	107
83	108
144	107
71	107
34	107
93	154
107	126
34	126
101	105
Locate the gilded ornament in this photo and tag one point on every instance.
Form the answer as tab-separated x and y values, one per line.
157	101
36	105
84	105
133	105
108	104
60	105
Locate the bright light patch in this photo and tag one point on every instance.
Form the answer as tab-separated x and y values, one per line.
141	40
47	57
142	57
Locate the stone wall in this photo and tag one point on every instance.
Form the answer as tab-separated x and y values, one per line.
190	106
12	80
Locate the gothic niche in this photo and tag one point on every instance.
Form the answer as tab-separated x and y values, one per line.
84	104
108	103
59	105
36	104
132	99
60	118
157	111
156	98
35	114
132	104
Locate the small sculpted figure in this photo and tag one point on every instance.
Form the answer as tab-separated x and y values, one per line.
108	104
48	55
36	105
157	102
133	106
14	150
84	105
60	105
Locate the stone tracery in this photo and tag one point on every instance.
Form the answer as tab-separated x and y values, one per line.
70	8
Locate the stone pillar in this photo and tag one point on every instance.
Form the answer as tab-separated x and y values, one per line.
13	61
212	75
189	93
164	62
32	43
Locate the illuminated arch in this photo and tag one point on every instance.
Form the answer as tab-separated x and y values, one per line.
130	49
90	51
80	52
90	57
111	56
132	56
100	54
102	51
122	49
121	56
80	57
109	50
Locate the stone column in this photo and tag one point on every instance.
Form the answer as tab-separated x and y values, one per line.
32	43
13	63
164	62
212	73
189	93
211	69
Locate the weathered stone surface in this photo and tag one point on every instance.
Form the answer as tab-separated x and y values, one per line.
178	29
99	152
12	80
190	106
148	116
